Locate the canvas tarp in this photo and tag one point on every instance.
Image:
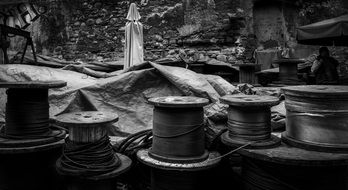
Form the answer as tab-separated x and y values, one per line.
125	94
327	32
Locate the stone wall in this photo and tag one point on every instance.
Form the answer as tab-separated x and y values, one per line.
93	29
199	30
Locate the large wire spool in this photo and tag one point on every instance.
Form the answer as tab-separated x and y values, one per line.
316	117
29	144
290	168
178	131
288	72
249	121
27	120
178	158
88	159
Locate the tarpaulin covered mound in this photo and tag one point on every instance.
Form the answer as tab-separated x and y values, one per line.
125	94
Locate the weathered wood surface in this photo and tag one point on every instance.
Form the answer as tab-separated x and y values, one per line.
179	101
88	126
250	100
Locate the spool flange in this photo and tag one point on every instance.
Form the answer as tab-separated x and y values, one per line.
179	102
212	160
249	118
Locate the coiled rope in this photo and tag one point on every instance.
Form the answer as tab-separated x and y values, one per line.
88	159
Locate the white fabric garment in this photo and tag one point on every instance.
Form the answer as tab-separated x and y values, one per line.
134	51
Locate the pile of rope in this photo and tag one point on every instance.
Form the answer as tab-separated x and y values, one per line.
88	159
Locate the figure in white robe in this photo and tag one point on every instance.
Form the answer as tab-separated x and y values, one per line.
134	49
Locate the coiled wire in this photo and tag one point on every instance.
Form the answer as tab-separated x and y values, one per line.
249	124
27	114
134	142
88	159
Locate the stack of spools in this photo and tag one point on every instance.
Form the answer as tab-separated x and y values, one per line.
178	158
89	161
29	144
314	153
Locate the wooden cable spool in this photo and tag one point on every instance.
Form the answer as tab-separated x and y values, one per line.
178	131
249	121
89	127
290	168
33	131
288	72
247	73
316	117
29	144
86	163
178	154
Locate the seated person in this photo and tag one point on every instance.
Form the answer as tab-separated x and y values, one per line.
324	68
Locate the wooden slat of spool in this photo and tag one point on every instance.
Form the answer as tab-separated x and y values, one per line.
86	127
